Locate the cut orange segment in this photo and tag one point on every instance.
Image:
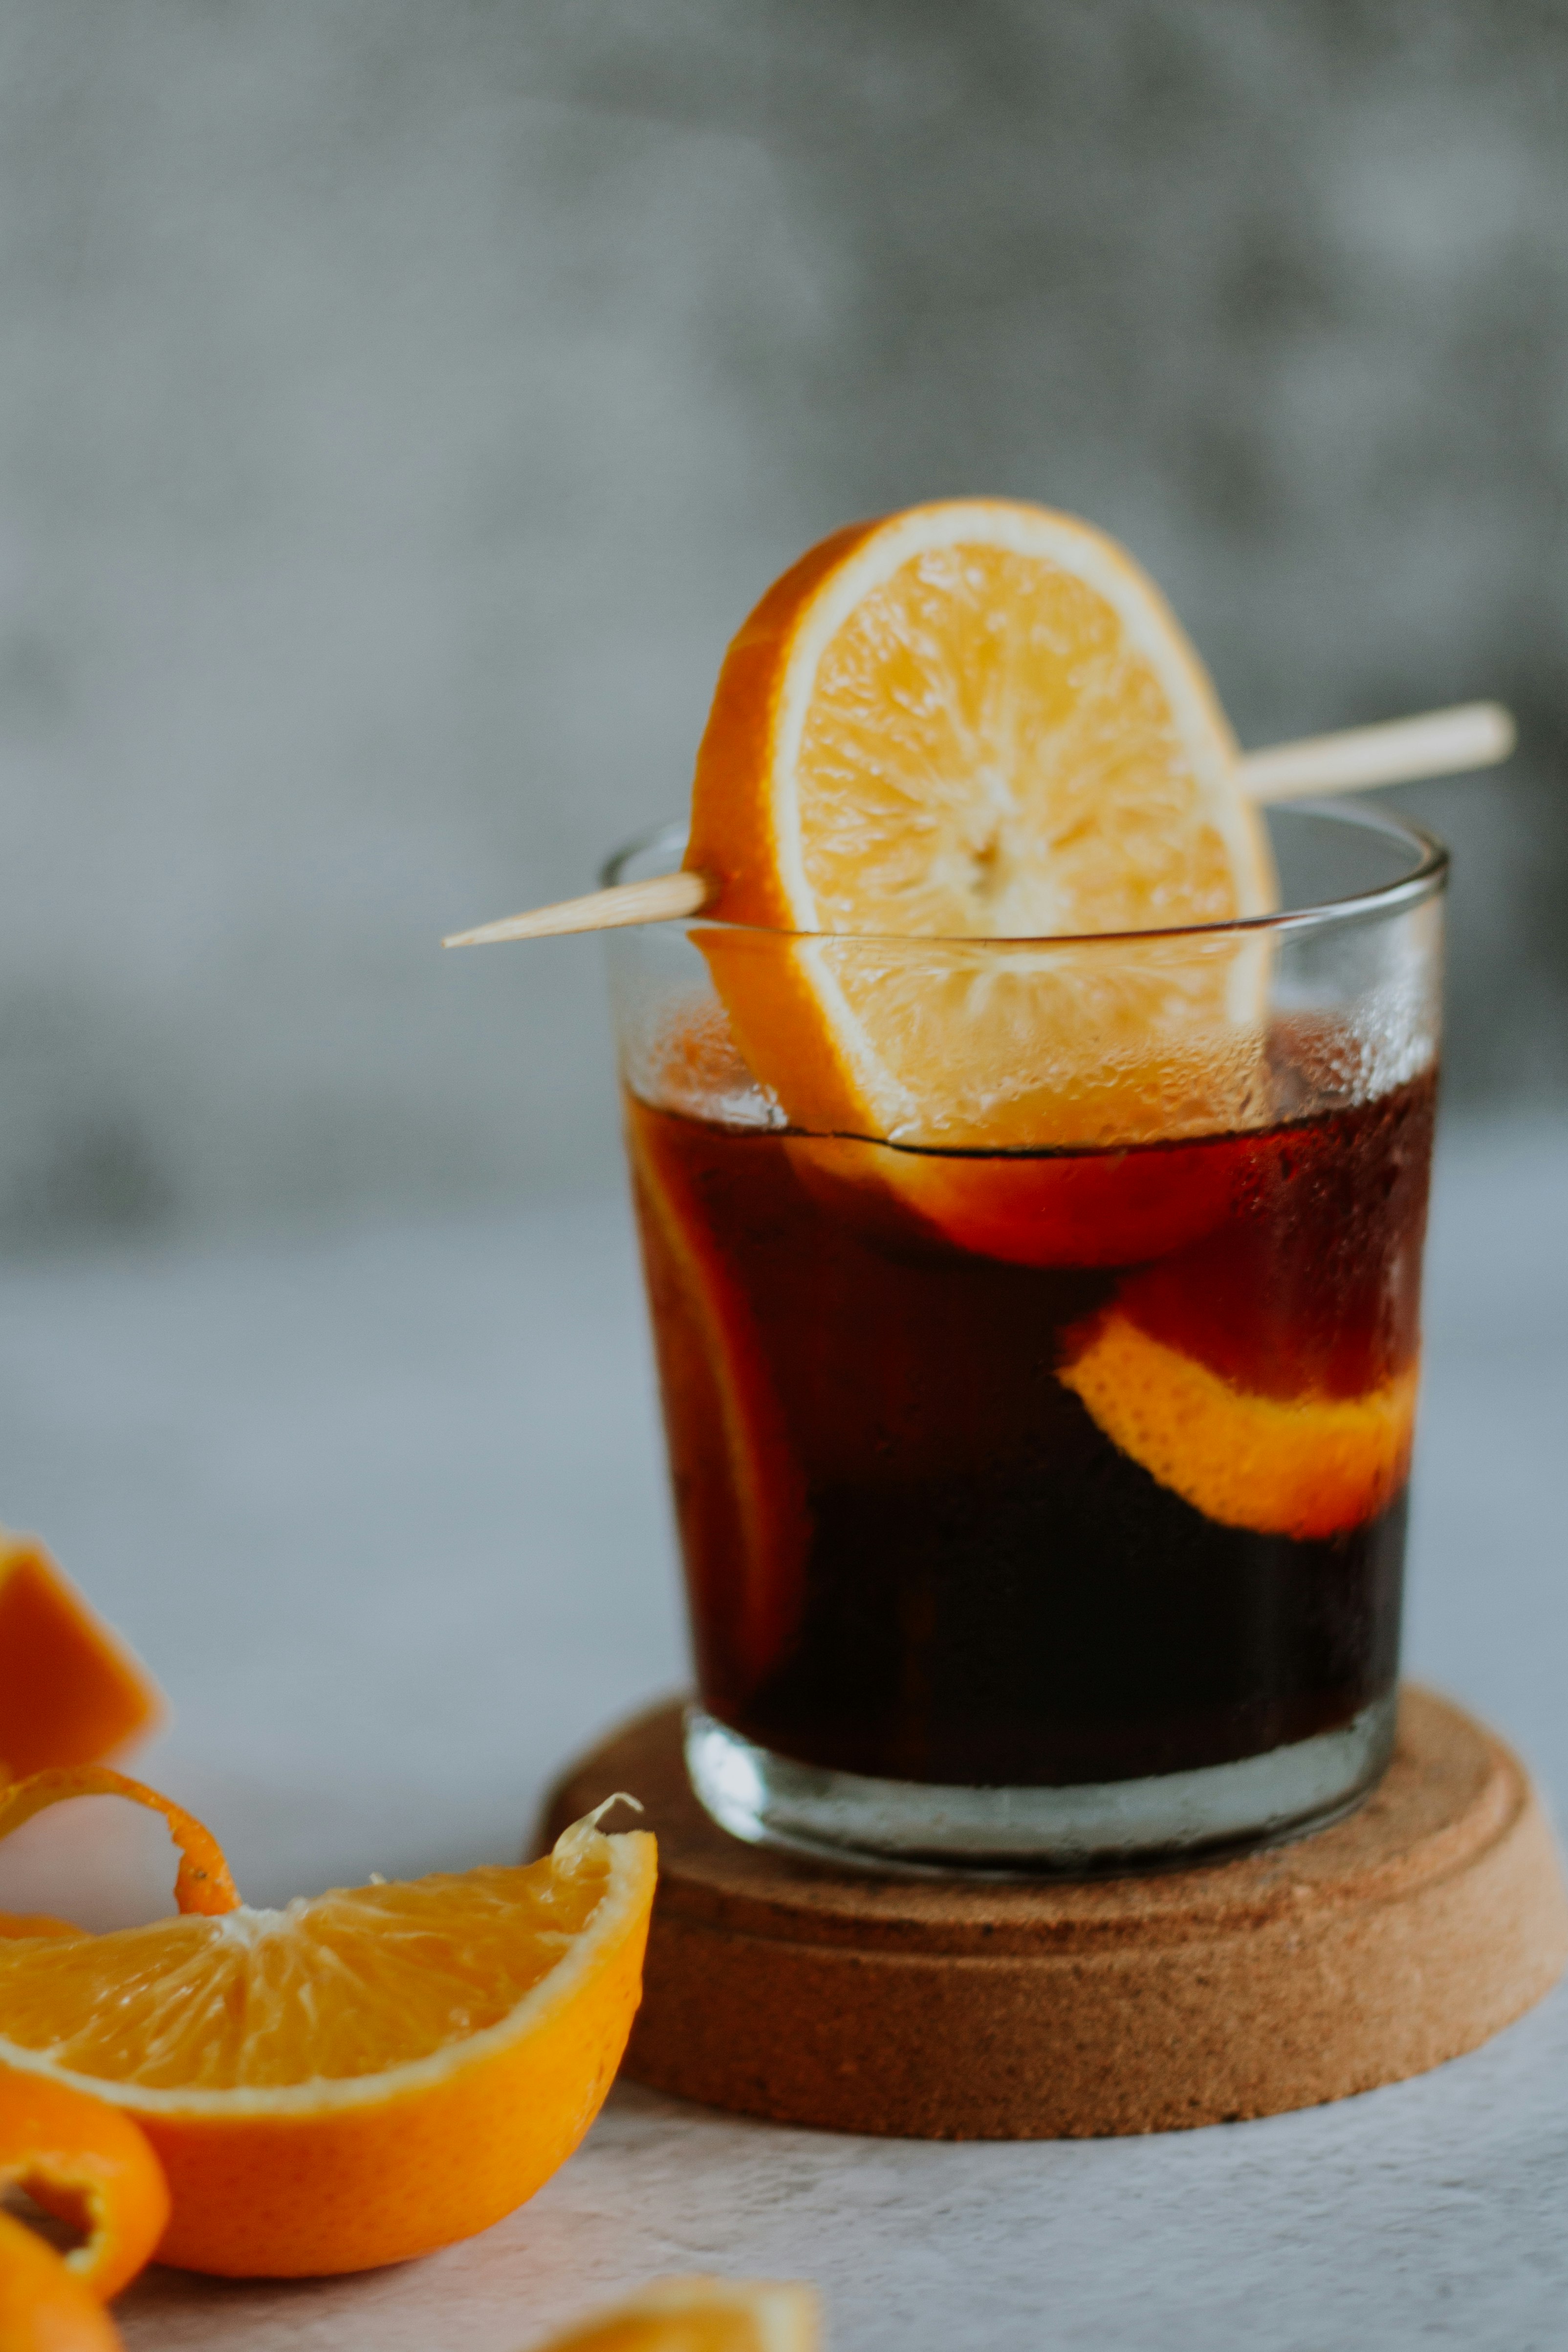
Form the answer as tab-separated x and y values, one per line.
1302	1467
43	2307
362	2076
71	1691
978	720
86	2163
703	2315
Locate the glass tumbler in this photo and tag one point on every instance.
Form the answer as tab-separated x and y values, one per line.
1042	1501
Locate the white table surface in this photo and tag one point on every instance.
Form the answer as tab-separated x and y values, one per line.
385	1511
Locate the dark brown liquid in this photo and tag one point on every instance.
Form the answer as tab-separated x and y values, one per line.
912	1550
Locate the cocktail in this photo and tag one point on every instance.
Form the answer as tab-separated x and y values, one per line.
1033	1232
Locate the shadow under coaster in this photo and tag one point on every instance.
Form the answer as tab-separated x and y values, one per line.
956	2009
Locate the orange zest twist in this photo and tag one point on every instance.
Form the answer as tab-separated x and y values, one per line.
202	1883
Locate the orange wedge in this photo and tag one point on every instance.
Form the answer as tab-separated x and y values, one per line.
86	2163
43	2307
703	2315
1303	1466
361	2077
977	721
71	1692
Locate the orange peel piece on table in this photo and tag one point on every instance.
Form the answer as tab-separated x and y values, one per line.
43	2307
71	1691
978	722
701	2314
88	2163
359	2077
1306	1466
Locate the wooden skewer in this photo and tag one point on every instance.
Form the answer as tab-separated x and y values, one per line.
1400	751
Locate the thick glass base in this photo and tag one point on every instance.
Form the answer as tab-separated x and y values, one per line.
909	1825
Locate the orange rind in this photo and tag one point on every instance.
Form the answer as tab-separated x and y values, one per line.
86	2163
202	1883
360	2077
1305	1466
43	2307
70	1690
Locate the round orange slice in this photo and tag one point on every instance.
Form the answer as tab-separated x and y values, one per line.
972	722
1304	1466
360	2077
703	2315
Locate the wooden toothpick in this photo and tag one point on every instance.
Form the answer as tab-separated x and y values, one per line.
1400	751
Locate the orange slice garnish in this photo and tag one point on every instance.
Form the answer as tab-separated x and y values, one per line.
1304	1466
71	1691
979	721
362	2076
703	2315
86	2163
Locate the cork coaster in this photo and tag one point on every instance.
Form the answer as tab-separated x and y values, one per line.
941	2008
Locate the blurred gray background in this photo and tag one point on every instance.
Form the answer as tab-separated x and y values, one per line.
402	401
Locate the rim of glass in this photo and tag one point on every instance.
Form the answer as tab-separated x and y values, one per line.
1424	881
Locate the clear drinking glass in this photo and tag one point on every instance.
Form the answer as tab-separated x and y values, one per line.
1043	1508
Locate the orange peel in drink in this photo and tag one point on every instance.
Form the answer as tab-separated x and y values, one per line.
70	1690
202	1882
978	721
360	2077
1305	1466
701	2314
712	1360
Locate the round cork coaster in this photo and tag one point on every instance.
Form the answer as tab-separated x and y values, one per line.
947	2009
